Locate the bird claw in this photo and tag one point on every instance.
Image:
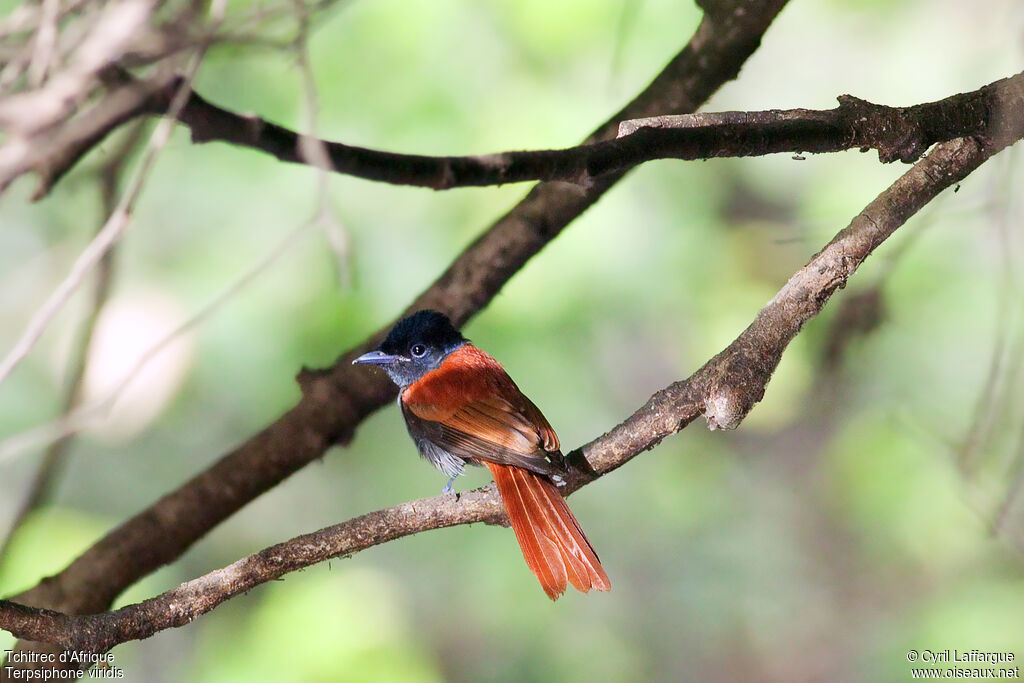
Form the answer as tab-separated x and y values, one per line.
448	488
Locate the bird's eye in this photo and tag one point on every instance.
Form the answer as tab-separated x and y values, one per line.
418	350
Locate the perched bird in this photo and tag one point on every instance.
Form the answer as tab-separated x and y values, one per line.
461	406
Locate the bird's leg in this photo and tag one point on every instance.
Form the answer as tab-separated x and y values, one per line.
448	488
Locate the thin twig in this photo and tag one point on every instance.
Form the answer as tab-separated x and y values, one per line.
83	416
994	390
1014	475
44	50
314	152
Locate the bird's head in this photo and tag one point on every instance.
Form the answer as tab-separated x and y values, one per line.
415	346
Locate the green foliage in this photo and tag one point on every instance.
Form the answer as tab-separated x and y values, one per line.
349	624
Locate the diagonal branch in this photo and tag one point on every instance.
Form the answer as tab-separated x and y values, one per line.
336	400
725	389
898	133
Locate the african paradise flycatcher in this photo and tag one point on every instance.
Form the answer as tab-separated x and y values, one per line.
461	406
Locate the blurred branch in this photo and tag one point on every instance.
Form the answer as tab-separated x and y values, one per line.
51	156
62	94
724	390
898	133
31	112
314	153
999	385
84	415
40	103
1015	477
860	314
118	221
109	175
336	400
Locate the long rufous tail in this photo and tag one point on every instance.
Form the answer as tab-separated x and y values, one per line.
555	548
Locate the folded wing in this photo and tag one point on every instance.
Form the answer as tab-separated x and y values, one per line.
472	408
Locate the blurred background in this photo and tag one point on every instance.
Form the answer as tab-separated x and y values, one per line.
868	506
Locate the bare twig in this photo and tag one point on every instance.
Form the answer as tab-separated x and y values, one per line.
724	390
89	257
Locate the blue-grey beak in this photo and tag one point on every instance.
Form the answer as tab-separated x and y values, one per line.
376	358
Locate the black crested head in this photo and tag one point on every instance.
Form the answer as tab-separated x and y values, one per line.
416	345
428	328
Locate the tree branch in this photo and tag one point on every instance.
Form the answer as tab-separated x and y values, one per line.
336	400
903	133
898	133
724	390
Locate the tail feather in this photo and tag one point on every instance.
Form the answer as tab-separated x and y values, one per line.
569	553
554	546
576	542
536	521
540	553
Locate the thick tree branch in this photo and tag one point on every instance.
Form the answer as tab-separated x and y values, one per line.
724	390
336	400
902	133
